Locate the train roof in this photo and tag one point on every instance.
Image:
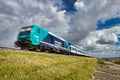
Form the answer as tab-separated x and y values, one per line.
56	36
52	33
27	27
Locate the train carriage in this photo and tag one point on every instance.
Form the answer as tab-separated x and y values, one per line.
39	39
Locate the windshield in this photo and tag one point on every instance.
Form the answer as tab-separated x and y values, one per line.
25	30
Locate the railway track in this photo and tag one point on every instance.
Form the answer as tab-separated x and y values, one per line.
8	48
15	49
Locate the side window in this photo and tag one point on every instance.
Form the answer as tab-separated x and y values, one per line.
38	30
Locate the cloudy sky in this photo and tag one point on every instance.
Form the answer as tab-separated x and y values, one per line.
92	25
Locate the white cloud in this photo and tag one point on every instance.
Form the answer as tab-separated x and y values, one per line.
88	13
79	5
102	41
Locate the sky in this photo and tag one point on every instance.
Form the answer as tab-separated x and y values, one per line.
92	25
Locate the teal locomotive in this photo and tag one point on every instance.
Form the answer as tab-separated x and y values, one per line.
39	39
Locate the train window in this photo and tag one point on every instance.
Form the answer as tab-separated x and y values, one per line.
28	29
25	29
38	30
22	30
62	44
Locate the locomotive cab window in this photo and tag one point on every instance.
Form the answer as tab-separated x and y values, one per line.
25	30
22	30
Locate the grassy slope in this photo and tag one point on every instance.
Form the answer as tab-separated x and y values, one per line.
19	65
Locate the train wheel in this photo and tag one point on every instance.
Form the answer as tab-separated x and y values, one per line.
51	50
38	49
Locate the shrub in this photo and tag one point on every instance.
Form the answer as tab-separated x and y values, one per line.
101	61
117	62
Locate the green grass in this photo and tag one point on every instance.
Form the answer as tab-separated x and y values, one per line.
19	65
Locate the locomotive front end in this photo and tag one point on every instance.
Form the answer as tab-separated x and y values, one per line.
23	40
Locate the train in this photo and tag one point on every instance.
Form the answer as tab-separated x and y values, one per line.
37	38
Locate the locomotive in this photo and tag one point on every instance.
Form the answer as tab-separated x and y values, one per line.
37	38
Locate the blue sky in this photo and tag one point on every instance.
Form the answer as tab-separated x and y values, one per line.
90	25
69	5
108	23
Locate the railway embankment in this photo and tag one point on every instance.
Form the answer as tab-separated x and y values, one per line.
27	65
